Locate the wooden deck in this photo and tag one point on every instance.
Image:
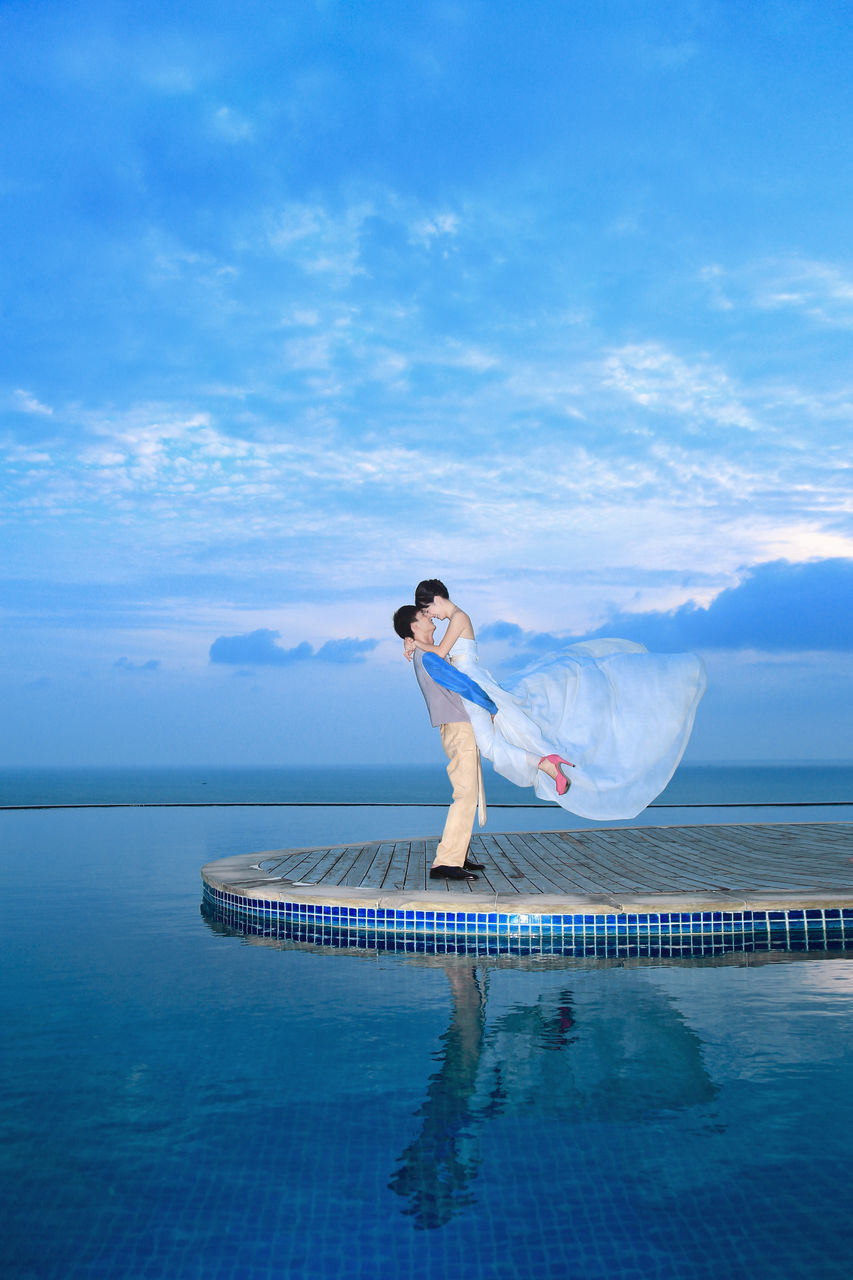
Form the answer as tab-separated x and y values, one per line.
632	868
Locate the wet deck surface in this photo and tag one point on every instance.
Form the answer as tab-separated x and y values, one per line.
746	865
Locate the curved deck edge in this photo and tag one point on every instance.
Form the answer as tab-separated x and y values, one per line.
242	888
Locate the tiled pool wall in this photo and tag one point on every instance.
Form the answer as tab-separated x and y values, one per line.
664	933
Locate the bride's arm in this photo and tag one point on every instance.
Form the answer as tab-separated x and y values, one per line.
460	623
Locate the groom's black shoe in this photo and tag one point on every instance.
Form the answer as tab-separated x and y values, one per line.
450	873
474	866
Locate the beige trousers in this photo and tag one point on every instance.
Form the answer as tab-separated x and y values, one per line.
463	770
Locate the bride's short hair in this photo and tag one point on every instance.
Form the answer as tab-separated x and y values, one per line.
426	591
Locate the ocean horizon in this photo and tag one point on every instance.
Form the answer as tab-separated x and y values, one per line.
780	783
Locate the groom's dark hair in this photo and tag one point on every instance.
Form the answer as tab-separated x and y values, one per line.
403	619
426	591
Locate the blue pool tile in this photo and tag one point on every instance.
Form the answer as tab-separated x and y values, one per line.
609	934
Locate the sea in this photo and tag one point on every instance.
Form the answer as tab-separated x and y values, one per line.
784	783
325	803
181	1101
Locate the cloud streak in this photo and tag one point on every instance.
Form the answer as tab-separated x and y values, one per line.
348	428
25	402
818	291
697	393
259	649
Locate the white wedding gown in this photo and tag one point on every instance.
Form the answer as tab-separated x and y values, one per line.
622	715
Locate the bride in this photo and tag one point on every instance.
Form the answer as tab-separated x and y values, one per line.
608	712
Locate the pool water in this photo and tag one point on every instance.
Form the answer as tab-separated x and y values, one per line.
182	1101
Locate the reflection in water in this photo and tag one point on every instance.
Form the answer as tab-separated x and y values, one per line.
626	1059
436	1168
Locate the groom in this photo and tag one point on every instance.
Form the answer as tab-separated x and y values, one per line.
441	686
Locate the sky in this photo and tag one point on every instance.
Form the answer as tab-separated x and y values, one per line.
303	303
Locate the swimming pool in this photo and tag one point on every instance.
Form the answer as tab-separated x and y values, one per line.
181	1100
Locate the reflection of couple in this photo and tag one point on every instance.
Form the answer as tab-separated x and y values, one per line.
620	714
555	1057
435	1168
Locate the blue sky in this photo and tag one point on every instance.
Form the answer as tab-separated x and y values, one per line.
303	303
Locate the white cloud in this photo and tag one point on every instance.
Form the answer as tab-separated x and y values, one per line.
319	241
173	488
697	392
301	318
309	353
821	291
799	541
467	356
438	226
366	432
26	402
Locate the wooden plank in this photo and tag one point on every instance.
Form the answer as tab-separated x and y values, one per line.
835	840
416	872
271	865
339	870
617	869
516	867
576	872
688	871
656	870
318	865
463	889
303	865
511	864
646	859
534	867
808	852
563	879
741	857
489	851
360	865
395	876
736	857
720	846
294	859
378	869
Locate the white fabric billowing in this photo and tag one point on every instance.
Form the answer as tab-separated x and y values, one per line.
622	715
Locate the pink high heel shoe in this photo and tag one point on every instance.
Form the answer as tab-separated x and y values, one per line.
561	781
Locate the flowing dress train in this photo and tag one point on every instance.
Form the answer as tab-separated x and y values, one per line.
622	715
